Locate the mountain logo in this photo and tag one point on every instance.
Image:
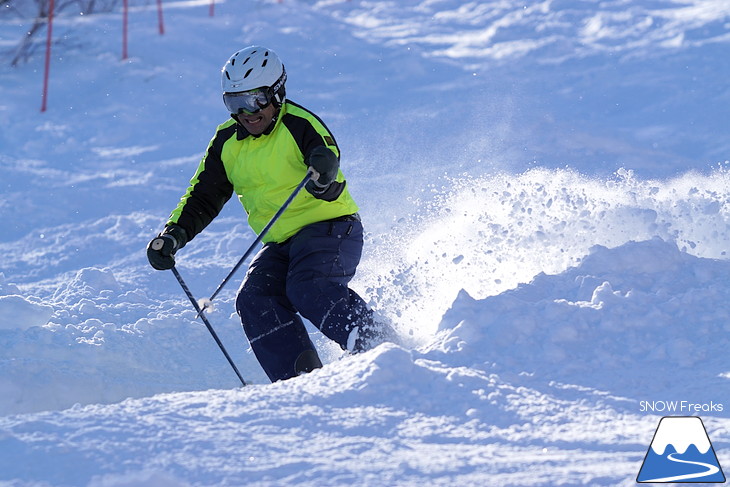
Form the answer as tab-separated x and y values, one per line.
681	452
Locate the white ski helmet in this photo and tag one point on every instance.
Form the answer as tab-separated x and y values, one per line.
254	67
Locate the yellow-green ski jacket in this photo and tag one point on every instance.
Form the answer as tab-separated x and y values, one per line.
263	171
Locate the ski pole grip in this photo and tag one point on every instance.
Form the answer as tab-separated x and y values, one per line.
157	243
313	174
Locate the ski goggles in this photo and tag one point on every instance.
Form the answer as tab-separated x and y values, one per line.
248	102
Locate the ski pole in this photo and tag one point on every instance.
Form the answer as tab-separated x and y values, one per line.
207	323
311	174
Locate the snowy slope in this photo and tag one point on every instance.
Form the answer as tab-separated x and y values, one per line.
545	189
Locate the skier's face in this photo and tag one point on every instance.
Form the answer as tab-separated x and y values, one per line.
259	121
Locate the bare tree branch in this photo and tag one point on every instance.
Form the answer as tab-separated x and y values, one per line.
38	11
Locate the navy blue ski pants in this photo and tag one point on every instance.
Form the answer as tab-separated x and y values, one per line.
308	274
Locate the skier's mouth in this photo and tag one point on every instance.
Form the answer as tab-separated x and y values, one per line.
253	120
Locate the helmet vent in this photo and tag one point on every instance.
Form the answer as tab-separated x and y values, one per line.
252	68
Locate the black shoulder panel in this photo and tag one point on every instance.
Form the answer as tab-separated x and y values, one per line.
304	132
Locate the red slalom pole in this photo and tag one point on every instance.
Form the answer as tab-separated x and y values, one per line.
125	17
160	21
44	102
211	10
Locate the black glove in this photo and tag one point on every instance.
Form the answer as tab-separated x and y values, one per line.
161	249
325	162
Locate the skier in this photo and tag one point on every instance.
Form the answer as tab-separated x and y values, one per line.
311	253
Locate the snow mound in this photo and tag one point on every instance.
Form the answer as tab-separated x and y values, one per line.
489	234
636	320
18	312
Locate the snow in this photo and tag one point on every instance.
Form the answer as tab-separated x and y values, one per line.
545	191
687	428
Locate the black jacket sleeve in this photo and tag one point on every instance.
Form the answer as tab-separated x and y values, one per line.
209	189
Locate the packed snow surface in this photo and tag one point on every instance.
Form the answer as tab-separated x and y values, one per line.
546	195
